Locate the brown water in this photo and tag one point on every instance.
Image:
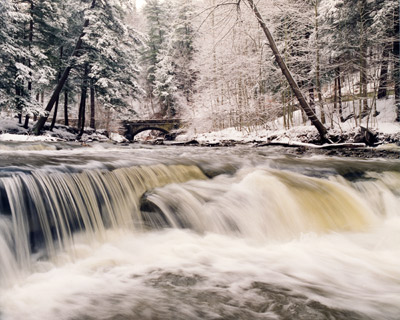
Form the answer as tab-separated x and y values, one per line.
197	233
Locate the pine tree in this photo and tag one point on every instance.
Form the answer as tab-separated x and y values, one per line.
158	18
174	75
184	50
106	49
10	48
112	55
15	69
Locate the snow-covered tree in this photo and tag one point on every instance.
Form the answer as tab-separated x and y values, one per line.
104	55
15	54
158	16
10	49
111	48
170	72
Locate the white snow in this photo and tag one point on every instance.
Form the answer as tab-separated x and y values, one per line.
384	124
117	137
274	131
20	137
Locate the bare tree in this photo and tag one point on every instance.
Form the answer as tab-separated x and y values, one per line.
293	84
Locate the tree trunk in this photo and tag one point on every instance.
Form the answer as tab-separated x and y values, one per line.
312	98
317	67
18	100
335	100
363	85
363	61
383	83
396	67
339	88
38	100
82	105
26	123
30	38
66	122
92	105
42	120
53	121
299	95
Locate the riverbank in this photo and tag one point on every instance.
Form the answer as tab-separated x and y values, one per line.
300	140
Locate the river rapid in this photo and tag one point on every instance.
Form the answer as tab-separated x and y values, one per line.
167	232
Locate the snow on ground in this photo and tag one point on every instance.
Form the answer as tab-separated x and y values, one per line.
10	130
246	135
24	137
116	137
300	132
384	124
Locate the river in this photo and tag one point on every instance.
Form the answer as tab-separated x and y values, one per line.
167	232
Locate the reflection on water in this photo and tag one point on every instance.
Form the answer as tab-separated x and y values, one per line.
111	232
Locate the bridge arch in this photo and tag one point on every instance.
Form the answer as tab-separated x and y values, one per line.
132	128
136	132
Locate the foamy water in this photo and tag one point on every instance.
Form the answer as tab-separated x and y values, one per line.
262	243
179	273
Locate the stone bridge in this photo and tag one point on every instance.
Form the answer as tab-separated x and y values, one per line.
132	128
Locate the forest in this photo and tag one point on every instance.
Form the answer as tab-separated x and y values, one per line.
199	159
94	62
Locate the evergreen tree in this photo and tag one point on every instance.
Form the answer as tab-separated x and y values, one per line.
174	75
184	50
10	49
111	48
104	54
158	22
15	69
347	38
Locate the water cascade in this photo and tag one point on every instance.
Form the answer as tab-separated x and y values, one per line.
265	204
46	209
262	237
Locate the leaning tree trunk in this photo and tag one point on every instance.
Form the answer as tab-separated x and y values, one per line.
282	65
42	120
53	121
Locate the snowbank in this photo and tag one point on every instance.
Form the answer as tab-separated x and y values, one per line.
24	137
383	124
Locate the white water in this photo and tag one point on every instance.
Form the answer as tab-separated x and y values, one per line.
263	244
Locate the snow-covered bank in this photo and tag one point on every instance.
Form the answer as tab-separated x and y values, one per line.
302	134
384	125
10	130
299	135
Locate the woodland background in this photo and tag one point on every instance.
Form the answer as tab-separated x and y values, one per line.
207	62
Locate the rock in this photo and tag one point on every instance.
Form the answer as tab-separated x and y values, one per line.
366	136
192	143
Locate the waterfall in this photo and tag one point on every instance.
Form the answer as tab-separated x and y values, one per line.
112	234
262	203
42	211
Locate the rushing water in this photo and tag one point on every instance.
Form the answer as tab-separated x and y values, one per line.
110	232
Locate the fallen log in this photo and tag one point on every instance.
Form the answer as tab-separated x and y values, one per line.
313	146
